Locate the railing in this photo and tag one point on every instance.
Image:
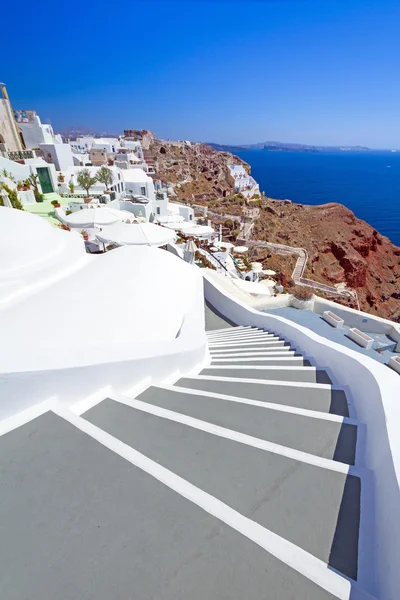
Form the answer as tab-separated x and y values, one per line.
20	154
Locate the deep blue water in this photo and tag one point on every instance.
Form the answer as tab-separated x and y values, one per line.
368	183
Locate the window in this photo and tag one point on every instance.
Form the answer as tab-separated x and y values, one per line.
143	191
190	217
158	210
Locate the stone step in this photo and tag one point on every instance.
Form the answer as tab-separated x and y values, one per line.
315	507
323	437
270	360
254	354
318	397
261	337
114	526
234	332
309	374
256	344
249	351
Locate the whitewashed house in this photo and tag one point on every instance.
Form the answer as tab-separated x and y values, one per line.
243	183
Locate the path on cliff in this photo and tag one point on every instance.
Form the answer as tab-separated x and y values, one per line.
246	226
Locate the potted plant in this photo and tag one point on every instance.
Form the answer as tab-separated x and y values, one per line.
71	187
65	227
302	298
85	235
61	178
86	181
33	181
20	186
55	203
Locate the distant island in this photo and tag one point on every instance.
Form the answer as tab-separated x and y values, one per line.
286	147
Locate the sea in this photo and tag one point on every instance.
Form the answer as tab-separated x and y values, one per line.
368	183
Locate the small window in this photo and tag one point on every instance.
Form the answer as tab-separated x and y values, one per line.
158	210
143	191
190	217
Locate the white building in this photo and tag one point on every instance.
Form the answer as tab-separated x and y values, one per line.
33	131
243	183
59	154
20	172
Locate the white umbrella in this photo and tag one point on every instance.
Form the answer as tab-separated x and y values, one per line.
92	217
240	249
178	226
268	282
256	267
226	245
269	272
189	252
170	219
140	234
198	230
252	288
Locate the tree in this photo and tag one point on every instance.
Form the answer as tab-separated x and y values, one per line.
33	180
85	179
105	175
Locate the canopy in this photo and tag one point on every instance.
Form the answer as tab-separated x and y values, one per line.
198	230
138	234
92	217
240	249
252	288
170	218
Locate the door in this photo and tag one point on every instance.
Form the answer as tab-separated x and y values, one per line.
45	180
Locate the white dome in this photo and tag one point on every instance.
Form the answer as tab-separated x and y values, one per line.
31	251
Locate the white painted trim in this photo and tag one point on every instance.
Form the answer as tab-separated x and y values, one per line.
87	403
234	333
250	350
235	327
263	368
231	360
303	412
267	343
242	438
287	552
266	382
23	417
248	336
254	354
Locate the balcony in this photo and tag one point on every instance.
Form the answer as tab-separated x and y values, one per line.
19	155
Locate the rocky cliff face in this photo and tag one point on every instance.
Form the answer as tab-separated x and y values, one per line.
195	172
341	247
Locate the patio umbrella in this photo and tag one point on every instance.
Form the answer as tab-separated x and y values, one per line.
269	272
189	252
257	267
137	234
240	249
198	230
170	219
96	217
226	245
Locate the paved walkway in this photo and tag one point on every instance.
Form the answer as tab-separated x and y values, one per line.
317	324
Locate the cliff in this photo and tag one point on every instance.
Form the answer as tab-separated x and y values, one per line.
341	247
194	171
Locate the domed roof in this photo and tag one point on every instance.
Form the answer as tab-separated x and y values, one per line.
32	250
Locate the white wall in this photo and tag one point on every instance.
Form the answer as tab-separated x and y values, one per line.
61	155
363	321
375	400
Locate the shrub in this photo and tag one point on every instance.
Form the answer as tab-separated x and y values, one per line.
13	196
85	179
302	292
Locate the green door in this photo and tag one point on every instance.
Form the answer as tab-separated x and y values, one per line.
45	180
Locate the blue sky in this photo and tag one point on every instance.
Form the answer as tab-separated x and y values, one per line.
310	71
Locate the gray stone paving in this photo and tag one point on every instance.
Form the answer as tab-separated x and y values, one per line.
304	375
324	400
308	505
316	436
79	522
